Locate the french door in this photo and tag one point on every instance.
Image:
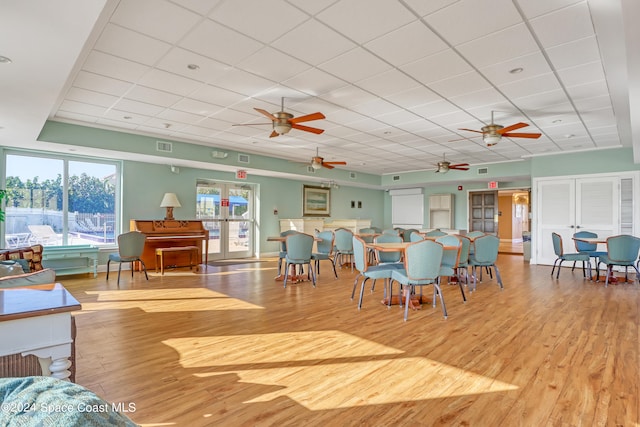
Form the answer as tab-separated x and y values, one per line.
227	211
483	211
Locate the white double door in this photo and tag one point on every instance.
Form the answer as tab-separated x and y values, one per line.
568	205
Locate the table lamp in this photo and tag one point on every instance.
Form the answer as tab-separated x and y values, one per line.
170	201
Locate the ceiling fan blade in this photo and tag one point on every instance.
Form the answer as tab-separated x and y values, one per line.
266	113
459	165
307	128
522	135
307	118
512	127
335	163
460	168
471	130
273	134
327	165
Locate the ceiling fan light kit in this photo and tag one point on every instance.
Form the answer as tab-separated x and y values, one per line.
491	140
283	122
493	133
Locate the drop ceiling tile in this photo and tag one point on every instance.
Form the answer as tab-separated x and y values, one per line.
532	9
479	99
417	96
127	44
158	19
220	43
564	25
254	23
501	46
101	84
538	84
467	20
434	109
177	61
384	18
588	90
386	46
532	65
180	116
125	117
217	96
91	97
196	107
137	107
355	65
160	80
313	42
581	74
374	108
574	53
201	7
244	83
424	8
388	83
75	116
83	108
398	118
114	67
273	65
314	82
594	103
437	67
349	96
152	96
459	85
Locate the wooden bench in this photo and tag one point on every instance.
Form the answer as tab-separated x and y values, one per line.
194	252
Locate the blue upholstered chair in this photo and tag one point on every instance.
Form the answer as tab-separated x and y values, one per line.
416	237
450	259
485	255
283	249
421	267
325	250
130	247
299	249
558	248
366	271
343	245
623	251
463	262
587	248
388	257
406	234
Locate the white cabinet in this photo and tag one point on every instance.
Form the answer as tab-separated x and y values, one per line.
304	225
350	224
568	205
441	211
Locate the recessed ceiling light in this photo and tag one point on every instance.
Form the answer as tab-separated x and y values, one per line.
569	135
5	60
193	66
387	132
516	70
127	117
556	121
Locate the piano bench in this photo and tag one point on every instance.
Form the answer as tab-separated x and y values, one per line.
193	253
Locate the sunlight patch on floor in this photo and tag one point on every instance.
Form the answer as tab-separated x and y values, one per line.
166	300
329	380
255	349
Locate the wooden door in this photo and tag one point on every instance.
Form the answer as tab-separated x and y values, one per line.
483	211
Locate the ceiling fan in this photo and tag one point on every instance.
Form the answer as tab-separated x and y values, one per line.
318	162
444	166
493	133
283	122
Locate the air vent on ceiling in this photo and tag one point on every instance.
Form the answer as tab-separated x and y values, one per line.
396	177
310	169
352	175
243	158
483	171
164	146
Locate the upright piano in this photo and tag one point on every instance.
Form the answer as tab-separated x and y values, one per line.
169	234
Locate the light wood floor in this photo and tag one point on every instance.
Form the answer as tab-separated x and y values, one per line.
232	347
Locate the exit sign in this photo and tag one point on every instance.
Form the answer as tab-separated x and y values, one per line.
493	185
241	174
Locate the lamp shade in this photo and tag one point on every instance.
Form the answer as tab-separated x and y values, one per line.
170	200
492	139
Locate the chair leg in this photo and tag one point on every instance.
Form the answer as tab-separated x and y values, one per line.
286	273
119	268
144	268
444	307
407	299
498	278
609	272
333	264
108	262
131	269
313	275
362	292
559	265
355	283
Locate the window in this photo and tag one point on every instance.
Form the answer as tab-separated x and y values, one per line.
59	200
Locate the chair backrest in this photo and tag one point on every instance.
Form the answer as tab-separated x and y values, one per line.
416	237
376	229
450	257
557	244
299	247
384	257
486	248
623	248
464	251
391	231
283	245
343	240
435	233
422	260
131	244
474	234
584	246
359	254
325	245
366	231
406	234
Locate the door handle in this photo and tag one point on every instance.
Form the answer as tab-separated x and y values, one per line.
577	226
571	226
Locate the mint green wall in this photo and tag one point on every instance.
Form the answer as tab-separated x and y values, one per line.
587	162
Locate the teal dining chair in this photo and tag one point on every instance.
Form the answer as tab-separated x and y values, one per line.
366	271
435	233
130	248
558	248
416	237
299	250
283	249
344	245
485	256
451	259
463	262
421	267
622	250
388	257
324	250
590	249
406	234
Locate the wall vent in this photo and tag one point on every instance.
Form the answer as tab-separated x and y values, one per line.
396	177
310	169
483	171
243	158
352	175
164	146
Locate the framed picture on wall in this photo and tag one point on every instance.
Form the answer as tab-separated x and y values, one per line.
316	201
